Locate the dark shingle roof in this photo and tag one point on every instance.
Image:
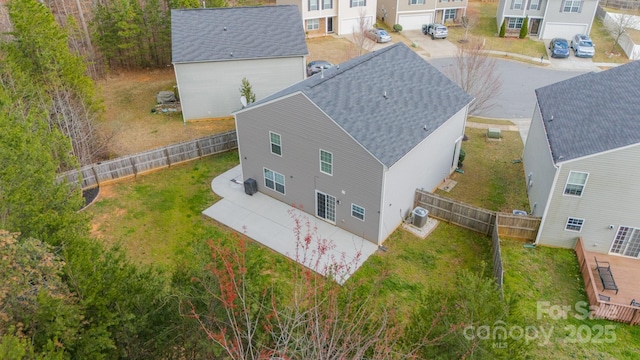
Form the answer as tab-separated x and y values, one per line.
353	95
251	32
592	113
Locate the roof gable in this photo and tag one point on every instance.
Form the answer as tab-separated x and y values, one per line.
388	100
220	34
592	113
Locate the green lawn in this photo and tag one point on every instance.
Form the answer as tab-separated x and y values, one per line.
548	279
491	179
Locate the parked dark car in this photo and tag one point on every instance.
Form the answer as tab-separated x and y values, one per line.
378	35
317	66
559	48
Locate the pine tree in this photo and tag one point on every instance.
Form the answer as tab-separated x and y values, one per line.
503	28
524	30
247	91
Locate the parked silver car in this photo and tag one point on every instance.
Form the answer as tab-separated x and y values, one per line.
379	35
583	46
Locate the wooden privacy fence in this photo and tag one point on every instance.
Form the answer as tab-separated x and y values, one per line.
129	166
456	212
498	271
490	223
476	218
603	309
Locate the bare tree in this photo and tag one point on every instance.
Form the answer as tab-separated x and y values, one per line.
475	72
361	43
619	24
469	21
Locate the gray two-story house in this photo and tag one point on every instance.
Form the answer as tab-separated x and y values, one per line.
582	161
548	18
412	14
351	145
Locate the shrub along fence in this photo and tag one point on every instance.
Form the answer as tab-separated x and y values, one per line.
90	176
490	223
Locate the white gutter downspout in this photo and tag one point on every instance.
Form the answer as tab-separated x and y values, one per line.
382	207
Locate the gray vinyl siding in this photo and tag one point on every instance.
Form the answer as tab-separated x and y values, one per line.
210	89
424	167
539	163
554	17
304	129
610	197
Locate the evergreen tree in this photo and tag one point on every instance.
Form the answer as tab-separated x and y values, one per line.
503	29
39	52
524	30
247	91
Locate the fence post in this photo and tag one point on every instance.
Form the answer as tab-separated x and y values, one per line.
133	165
166	152
93	169
198	148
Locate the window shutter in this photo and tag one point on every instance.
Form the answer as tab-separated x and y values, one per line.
512	1
351	3
309	4
580	7
365	2
562	6
528	4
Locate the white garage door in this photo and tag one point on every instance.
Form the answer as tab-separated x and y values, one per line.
414	21
554	30
347	26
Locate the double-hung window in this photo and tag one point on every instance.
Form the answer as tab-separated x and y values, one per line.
326	162
358	3
313	24
274	180
572	6
276	143
516	4
416	2
575	183
327	4
574	224
357	211
534	5
313	5
515	23
449	15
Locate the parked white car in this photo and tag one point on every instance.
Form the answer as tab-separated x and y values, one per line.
583	46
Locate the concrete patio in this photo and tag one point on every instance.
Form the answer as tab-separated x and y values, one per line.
273	224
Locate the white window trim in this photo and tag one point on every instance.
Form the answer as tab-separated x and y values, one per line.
566	2
271	143
632	229
518	4
313	24
584	186
445	14
535	3
416	2
321	162
316	2
363	211
324	3
567	224
284	187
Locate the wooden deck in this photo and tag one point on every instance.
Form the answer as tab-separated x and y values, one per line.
626	272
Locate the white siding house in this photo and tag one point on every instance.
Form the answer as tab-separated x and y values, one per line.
582	161
412	14
352	144
321	17
548	18
214	49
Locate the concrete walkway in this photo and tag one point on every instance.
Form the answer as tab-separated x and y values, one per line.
273	224
519	125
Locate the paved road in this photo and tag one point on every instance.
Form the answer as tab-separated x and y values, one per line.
516	99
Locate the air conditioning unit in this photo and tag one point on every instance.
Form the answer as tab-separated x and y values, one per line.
420	216
250	186
493	133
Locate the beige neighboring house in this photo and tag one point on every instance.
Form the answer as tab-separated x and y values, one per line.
581	162
322	17
412	14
